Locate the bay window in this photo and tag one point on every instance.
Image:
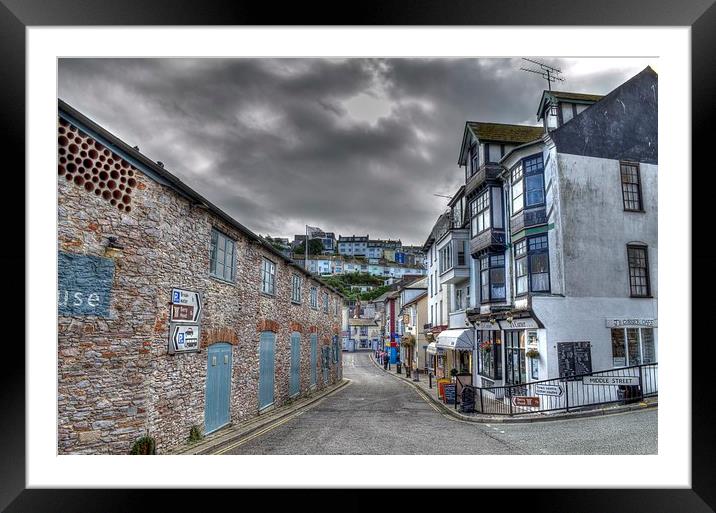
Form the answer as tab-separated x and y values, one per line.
492	278
528	184
480	213
532	265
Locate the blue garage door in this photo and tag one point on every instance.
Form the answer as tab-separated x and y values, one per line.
267	343
294	386
218	386
314	350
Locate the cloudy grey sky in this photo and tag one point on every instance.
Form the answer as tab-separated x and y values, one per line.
353	146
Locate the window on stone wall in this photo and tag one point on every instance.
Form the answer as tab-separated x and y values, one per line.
296	288
314	297
325	302
268	277
221	256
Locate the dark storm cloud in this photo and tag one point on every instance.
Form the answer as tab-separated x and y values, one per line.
353	145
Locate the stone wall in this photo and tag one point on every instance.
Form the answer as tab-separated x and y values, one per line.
116	380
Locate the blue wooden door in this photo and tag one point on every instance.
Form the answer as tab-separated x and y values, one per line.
294	386
267	343
314	350
218	386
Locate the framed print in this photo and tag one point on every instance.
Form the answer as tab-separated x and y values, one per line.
235	328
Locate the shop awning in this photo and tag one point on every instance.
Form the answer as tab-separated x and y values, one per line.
431	349
457	340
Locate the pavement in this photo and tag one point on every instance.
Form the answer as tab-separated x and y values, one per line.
431	394
376	412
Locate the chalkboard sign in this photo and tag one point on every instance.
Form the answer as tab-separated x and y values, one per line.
574	358
450	393
468	400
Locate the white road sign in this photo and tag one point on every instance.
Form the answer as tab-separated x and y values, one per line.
553	390
611	380
183	337
186	306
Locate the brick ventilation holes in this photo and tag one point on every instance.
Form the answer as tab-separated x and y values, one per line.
90	165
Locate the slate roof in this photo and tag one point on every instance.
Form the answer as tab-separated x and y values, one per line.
564	95
501	132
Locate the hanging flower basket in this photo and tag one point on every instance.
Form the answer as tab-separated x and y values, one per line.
485	346
532	353
408	340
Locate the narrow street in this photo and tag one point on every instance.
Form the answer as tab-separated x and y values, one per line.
379	414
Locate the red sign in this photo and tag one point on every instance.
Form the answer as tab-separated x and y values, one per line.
525	401
182	313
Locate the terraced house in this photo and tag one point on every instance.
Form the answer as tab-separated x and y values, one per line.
171	314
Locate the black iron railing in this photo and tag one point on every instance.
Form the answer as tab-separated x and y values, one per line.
622	385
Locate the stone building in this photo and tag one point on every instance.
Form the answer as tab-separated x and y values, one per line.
171	314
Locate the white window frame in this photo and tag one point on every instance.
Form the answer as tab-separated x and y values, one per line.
268	277
214	252
296	288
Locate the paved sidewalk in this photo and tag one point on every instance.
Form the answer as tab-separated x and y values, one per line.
227	435
432	395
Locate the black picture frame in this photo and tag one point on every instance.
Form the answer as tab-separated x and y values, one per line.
17	15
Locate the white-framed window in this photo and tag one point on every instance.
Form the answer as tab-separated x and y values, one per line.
268	277
480	213
325	302
632	346
296	288
314	297
221	256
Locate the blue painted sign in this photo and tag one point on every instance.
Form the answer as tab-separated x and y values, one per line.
84	285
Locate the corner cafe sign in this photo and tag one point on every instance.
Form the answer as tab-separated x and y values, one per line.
631	323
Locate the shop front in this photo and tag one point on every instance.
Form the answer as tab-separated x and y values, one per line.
507	350
458	345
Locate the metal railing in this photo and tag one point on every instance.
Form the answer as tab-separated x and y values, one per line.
583	391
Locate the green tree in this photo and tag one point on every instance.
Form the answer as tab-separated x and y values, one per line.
315	247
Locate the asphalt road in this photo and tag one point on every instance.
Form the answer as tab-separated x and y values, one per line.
379	414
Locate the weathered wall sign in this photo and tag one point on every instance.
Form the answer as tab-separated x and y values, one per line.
631	323
84	284
574	358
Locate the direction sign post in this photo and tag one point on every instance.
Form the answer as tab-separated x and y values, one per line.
183	338
184	326
185	306
551	390
525	401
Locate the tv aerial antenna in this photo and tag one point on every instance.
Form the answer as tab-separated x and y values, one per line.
549	73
